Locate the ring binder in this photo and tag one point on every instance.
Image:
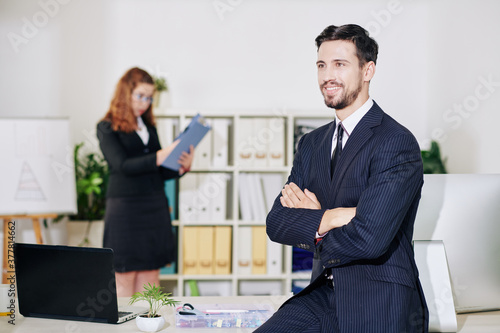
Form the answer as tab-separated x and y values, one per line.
192	135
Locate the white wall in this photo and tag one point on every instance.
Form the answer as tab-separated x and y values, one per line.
259	54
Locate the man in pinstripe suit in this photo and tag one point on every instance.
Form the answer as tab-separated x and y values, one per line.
351	198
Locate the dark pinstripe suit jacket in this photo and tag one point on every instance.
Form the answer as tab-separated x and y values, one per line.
371	258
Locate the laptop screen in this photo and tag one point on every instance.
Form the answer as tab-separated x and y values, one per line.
63	282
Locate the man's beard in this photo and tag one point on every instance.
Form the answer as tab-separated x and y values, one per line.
345	100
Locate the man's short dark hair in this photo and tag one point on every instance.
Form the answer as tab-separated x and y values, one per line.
366	47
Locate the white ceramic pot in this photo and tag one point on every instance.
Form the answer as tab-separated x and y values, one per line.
146	324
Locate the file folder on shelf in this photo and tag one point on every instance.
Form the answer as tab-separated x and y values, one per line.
259	250
244	196
203	153
222	253
171	193
217	190
166	128
189	208
206	250
257	196
261	141
220	141
272	183
245	152
276	147
202	200
168	269
244	250
192	135
203	197
274	258
190	250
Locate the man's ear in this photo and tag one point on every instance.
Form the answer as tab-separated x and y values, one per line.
369	71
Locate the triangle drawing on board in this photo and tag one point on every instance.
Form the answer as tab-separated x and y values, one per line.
28	187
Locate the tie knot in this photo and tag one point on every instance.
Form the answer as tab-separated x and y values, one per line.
340	132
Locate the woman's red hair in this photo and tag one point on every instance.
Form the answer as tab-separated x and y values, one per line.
120	113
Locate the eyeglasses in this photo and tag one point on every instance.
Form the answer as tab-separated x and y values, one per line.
142	98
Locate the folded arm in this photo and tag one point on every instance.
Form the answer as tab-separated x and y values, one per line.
293	197
292	224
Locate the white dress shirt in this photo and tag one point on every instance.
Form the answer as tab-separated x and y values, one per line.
142	131
350	123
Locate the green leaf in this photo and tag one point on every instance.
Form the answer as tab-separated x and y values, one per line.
155	298
433	163
160	83
91	176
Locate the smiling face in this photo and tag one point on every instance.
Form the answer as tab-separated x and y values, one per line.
343	83
141	98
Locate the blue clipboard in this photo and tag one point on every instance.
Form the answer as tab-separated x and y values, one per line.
192	135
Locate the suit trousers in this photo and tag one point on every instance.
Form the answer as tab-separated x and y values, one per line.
313	312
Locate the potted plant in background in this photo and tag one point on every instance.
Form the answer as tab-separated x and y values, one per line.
91	173
433	163
161	97
156	298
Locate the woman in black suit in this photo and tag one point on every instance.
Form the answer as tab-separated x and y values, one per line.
137	219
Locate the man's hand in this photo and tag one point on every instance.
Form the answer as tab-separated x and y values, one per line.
293	197
335	218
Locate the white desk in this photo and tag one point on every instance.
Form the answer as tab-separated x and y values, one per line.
484	322
38	325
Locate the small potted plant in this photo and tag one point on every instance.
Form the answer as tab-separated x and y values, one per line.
161	90
433	163
156	298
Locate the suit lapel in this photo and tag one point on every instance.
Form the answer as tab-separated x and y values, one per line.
320	166
359	136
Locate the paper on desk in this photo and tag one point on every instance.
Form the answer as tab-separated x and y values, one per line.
192	135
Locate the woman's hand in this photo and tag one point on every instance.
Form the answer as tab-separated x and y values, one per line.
162	154
186	160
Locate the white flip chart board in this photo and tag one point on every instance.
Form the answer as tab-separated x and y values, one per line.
36	168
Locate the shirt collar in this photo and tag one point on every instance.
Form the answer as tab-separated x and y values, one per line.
142	130
350	122
140	124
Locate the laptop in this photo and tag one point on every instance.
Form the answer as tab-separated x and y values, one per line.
71	283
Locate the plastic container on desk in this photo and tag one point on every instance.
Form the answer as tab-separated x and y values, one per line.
223	315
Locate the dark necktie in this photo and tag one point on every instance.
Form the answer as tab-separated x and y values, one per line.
338	149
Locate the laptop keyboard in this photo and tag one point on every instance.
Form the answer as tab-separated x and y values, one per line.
123	313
